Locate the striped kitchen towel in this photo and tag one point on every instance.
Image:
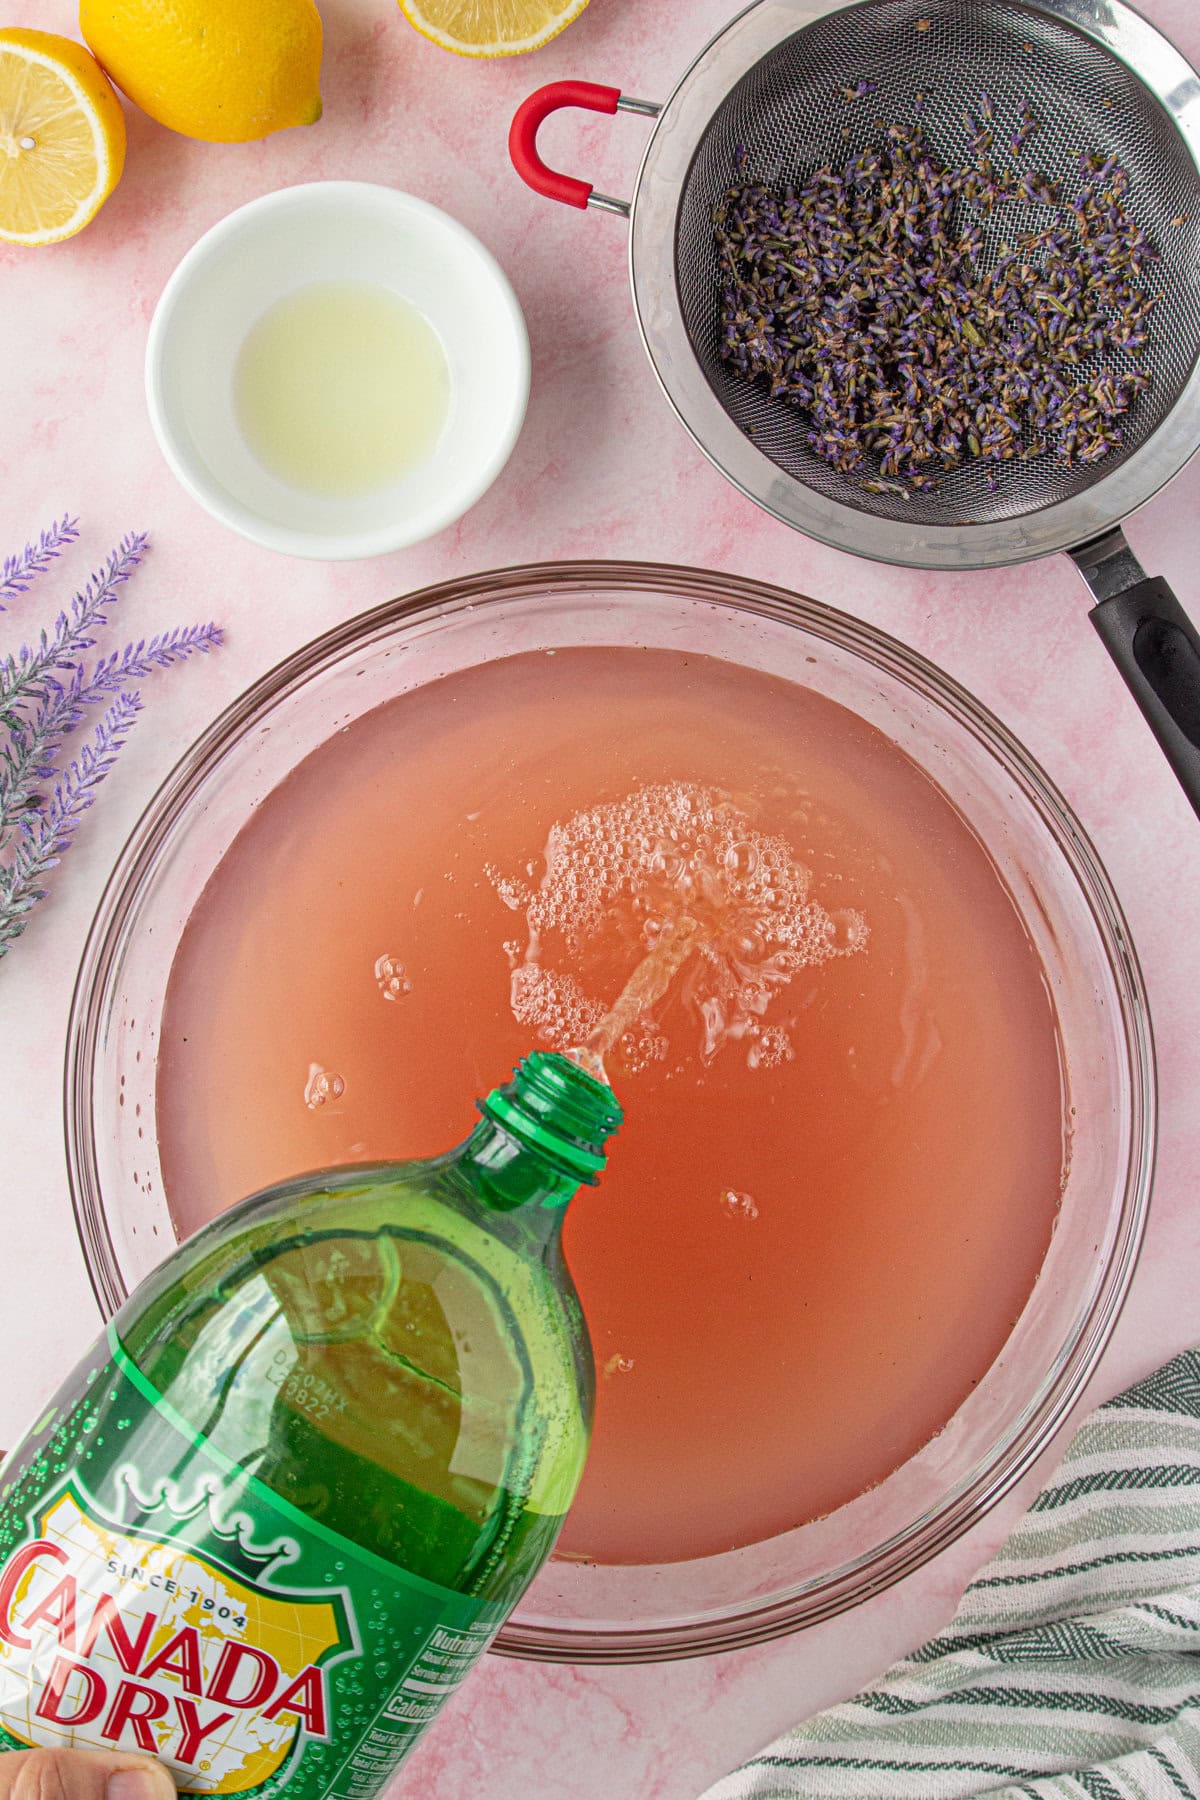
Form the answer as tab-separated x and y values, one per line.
1072	1667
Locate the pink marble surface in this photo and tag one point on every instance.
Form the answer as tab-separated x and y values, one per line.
601	470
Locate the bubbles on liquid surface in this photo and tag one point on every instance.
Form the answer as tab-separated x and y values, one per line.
642	1045
738	1205
514	893
322	1086
555	1005
847	930
621	878
619	1365
771	1049
393	982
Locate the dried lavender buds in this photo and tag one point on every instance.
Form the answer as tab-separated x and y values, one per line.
861	297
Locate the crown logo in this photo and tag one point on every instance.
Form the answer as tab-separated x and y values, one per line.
203	1510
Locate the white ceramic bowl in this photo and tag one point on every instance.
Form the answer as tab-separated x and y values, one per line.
335	231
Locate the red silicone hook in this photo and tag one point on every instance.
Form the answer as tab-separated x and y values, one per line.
522	136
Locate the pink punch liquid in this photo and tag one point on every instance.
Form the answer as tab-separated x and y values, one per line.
844	1139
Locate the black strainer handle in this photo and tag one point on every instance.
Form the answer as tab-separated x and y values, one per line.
1155	646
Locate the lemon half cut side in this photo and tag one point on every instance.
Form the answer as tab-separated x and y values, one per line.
62	137
491	27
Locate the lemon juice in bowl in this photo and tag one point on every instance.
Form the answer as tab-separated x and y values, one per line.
341	387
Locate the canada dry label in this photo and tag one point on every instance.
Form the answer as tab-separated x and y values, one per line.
155	1597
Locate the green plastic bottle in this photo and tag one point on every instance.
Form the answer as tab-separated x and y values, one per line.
271	1522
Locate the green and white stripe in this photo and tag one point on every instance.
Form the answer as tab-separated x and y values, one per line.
1072	1667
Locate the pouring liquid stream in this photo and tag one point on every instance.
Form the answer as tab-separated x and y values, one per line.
645	987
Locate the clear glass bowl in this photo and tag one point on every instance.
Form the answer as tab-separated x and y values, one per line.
582	1613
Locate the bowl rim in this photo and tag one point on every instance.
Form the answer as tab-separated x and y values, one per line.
742	1624
194	476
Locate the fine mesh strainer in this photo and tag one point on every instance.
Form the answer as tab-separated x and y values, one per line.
1100	79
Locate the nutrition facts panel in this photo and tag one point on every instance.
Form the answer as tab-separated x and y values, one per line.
445	1659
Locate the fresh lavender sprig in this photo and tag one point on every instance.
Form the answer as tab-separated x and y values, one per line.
25	677
45	693
18	572
29	756
148	654
47	834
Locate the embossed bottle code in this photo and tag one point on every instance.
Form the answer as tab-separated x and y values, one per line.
304	1389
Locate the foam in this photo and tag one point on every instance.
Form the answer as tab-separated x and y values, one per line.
683	889
553	1003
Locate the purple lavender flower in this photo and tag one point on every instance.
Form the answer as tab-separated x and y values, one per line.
863	296
46	691
19	572
46	831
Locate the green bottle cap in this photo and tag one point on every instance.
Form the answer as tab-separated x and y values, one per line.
554	1106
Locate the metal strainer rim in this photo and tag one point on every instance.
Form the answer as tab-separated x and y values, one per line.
1117	28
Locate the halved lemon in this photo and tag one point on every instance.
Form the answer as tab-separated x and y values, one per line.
62	137
491	27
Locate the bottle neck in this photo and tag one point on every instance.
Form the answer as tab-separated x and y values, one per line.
506	1174
540	1137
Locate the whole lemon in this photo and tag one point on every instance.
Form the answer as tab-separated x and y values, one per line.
221	70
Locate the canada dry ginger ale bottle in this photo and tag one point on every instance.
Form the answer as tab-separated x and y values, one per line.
273	1519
